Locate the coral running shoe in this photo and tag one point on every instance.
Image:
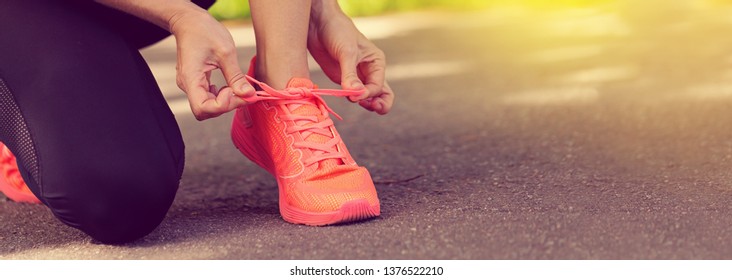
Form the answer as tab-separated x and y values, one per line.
11	183
290	134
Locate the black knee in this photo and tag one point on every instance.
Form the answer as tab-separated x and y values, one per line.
102	149
111	219
114	208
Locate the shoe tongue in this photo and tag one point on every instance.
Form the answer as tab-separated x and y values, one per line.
300	82
310	109
303	109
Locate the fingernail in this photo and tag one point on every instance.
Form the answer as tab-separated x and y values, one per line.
248	89
356	85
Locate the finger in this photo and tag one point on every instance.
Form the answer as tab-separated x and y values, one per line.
235	78
206	104
367	104
228	100
372	72
212	107
349	72
198	99
381	103
326	61
330	67
385	100
201	94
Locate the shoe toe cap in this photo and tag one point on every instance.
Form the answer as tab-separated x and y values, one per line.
330	193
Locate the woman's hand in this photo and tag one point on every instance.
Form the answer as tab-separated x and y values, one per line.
204	45
347	57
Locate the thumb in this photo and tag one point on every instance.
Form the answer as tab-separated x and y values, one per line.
349	75
235	78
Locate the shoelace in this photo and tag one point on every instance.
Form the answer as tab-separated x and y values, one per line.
321	151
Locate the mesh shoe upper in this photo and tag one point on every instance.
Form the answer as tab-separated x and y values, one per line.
295	139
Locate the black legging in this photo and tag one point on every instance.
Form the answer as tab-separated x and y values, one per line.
94	139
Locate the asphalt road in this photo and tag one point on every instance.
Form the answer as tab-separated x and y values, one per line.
518	133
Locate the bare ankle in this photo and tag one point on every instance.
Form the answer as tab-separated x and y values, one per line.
276	70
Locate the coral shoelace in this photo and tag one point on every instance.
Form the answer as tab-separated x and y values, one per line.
306	96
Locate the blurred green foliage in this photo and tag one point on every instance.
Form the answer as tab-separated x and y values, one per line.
239	9
356	8
230	9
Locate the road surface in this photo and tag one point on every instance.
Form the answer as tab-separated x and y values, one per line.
598	132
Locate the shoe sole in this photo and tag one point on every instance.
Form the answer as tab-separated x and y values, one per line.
352	211
16	196
9	166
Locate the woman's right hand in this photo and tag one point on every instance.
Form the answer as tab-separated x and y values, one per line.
204	45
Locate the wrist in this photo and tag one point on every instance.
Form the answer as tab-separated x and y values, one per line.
321	10
174	18
159	12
